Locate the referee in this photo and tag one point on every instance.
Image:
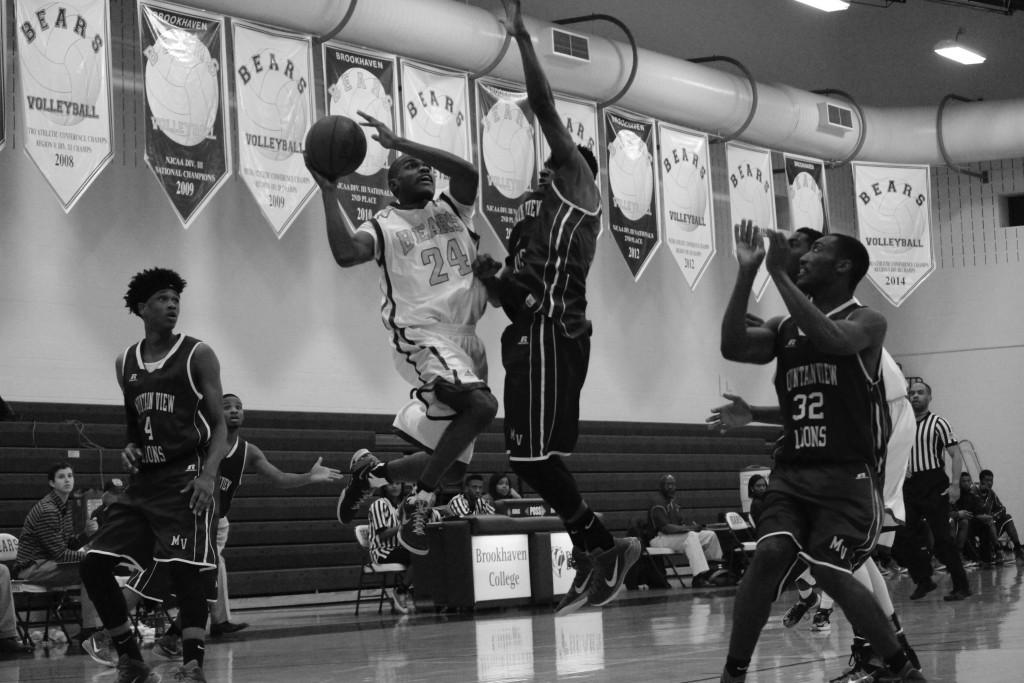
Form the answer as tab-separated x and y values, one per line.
926	494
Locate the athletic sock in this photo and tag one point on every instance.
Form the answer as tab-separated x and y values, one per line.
378	473
193	649
595	535
125	644
896	622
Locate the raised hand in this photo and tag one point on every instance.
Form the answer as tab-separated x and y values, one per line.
736	413
384	135
777	261
749	244
513	21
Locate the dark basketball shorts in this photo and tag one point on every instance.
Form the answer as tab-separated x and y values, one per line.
544	375
154	583
833	512
151	520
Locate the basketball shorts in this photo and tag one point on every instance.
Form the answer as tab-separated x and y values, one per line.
544	375
154	583
897	457
832	512
151	520
449	354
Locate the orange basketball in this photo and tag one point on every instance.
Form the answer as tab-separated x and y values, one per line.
336	146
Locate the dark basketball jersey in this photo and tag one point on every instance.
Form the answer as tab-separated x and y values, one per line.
830	404
164	405
231	469
550	251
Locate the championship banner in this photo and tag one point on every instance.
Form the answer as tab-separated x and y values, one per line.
64	72
3	74
580	120
435	110
508	152
686	200
805	187
274	100
751	195
187	145
362	80
631	178
894	223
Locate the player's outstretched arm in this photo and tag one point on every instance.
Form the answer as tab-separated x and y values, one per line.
740	341
349	248
738	413
289	480
465	179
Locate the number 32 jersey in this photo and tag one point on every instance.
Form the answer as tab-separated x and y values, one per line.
831	405
426	259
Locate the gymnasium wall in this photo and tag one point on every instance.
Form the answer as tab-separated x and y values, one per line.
295	332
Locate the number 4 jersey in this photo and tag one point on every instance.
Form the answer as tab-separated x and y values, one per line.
426	259
831	404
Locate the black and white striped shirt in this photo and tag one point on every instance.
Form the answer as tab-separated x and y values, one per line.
382	515
459	506
933	436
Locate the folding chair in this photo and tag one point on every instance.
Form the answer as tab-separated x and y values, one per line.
743	534
381	571
52	601
670	557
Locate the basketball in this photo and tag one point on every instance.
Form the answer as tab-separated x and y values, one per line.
335	146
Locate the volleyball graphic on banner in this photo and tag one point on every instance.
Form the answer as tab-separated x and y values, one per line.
62	66
359	90
898	216
275	108
751	202
631	174
507	143
685	192
805	205
181	87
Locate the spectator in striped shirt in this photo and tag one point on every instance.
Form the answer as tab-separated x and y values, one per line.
927	496
49	551
471	501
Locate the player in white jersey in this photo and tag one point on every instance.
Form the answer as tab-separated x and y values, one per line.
425	248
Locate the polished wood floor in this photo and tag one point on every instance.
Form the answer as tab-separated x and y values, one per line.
672	635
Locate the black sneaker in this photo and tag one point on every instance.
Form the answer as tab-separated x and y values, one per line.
822	621
358	486
908	673
412	533
576	596
862	668
956	595
923	589
795	613
610	567
133	671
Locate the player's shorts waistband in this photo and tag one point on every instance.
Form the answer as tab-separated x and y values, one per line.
448	329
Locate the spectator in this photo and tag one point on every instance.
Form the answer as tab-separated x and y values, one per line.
963	520
471	500
757	486
990	512
49	552
500	488
691	538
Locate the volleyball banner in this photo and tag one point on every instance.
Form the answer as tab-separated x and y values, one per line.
686	199
894	223
580	119
187	145
274	101
435	110
3	74
508	154
64	73
633	214
805	187
362	80
751	196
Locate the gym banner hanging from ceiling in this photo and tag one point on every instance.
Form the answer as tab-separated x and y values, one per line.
805	190
356	79
187	145
64	74
275	106
751	196
894	223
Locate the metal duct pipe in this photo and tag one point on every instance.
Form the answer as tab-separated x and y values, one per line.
469	38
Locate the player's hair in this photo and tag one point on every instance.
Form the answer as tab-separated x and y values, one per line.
57	467
810	233
986	473
147	283
850	248
473	477
231	396
588	156
922	383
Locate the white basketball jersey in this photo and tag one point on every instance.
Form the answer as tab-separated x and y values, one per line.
426	258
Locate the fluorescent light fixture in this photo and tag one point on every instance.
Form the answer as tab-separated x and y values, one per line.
827	5
958	52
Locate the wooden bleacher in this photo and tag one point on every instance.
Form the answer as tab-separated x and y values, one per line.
288	541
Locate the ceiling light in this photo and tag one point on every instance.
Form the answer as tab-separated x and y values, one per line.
827	5
958	52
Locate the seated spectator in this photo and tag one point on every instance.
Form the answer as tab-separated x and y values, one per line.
962	516
49	552
757	486
10	643
691	538
385	522
990	512
471	500
500	488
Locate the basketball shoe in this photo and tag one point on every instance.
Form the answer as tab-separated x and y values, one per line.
795	613
358	486
412	533
576	596
190	672
863	666
907	673
909	651
100	648
822	622
168	646
610	567
133	671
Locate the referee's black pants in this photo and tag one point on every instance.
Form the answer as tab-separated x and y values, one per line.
924	496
